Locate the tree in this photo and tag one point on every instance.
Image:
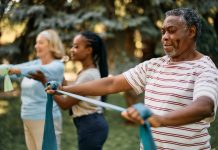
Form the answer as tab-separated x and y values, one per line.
117	21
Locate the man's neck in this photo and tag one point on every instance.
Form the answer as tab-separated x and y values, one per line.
187	56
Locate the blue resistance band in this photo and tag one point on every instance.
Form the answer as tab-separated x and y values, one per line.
145	130
49	138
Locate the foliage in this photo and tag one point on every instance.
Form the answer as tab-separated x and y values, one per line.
115	16
208	42
123	63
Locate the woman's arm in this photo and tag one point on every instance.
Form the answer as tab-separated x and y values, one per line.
52	71
65	102
17	68
12	71
39	76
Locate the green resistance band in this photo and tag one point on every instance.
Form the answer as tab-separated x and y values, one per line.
7	81
49	138
145	129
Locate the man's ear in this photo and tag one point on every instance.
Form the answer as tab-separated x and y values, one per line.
192	31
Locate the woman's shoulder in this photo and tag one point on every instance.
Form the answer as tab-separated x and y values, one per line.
90	74
91	71
56	63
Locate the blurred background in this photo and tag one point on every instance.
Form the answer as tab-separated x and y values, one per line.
131	31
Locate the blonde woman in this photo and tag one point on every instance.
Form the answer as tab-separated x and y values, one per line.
49	50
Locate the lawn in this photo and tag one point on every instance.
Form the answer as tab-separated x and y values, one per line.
121	135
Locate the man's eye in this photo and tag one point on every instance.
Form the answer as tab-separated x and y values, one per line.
162	32
171	31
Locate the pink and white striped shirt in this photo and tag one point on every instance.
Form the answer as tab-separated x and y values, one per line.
170	86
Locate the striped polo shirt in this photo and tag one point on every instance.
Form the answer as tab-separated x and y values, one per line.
169	86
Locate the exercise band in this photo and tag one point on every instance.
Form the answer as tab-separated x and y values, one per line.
144	130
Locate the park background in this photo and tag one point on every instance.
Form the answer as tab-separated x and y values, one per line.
131	31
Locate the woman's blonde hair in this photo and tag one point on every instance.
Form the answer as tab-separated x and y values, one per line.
57	48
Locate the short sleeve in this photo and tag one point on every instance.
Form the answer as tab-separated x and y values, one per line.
136	77
88	75
207	85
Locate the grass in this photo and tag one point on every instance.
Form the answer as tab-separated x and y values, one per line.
121	136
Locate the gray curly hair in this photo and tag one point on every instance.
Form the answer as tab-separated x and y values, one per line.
190	16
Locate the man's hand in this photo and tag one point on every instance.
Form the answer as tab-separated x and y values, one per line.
39	76
133	115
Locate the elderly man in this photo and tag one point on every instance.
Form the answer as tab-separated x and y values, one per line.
181	88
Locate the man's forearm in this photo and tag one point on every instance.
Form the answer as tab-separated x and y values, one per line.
99	87
197	111
92	88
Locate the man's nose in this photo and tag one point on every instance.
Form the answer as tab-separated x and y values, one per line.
165	37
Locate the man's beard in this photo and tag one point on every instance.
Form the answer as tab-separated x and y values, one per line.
171	53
